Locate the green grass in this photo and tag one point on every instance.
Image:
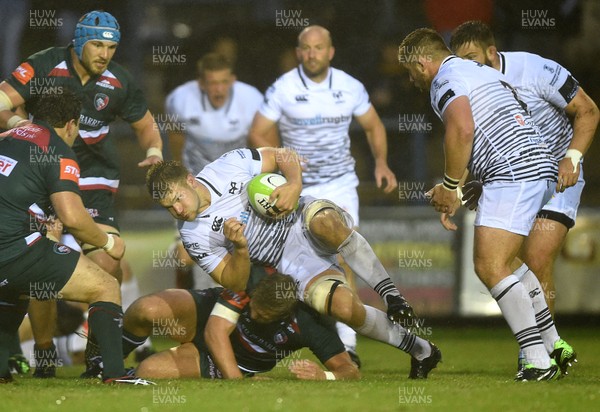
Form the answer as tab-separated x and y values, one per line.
476	375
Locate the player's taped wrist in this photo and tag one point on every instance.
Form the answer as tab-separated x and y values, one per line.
330	376
449	183
154	151
13	121
575	156
110	243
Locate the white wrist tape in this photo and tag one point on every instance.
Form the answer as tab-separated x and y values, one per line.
575	156
329	376
154	151
12	122
109	243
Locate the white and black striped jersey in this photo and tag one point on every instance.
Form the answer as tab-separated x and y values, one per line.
226	180
210	132
547	88
314	119
507	145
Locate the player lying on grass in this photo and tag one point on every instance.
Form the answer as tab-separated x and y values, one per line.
32	265
224	234
229	335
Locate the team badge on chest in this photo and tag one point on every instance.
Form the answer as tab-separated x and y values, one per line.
100	101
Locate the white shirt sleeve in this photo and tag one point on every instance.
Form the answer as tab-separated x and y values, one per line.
363	102
552	81
444	90
271	107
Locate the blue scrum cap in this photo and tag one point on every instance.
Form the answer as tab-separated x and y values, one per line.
95	25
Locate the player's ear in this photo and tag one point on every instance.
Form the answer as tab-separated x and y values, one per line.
331	52
190	179
491	52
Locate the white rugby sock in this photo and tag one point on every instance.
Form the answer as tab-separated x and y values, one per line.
543	317
359	255
347	336
377	326
517	309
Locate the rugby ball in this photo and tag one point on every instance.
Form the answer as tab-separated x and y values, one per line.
260	188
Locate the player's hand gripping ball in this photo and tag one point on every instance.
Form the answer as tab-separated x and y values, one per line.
260	188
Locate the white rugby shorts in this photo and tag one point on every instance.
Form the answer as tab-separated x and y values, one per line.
512	206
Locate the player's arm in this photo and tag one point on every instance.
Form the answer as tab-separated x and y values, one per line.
288	162
9	100
233	271
376	136
216	336
73	215
339	367
148	136
585	117
263	132
458	144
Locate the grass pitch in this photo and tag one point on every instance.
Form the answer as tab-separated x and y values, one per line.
476	375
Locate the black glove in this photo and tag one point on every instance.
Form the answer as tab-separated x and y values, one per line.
471	194
400	311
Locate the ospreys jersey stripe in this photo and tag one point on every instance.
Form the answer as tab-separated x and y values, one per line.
507	144
314	119
547	88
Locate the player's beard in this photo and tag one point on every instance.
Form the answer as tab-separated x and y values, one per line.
91	70
321	68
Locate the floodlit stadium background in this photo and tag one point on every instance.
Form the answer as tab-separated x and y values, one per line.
163	39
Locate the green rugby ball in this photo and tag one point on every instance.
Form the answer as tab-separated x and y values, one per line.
260	188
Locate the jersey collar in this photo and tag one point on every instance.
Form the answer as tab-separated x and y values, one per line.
307	82
502	63
447	59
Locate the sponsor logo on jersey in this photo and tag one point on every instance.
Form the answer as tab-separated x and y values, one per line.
24	73
105	83
69	170
302	98
61	249
235	189
100	101
191	245
520	120
217	223
7	165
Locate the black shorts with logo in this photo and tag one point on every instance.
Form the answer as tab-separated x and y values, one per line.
100	204
40	273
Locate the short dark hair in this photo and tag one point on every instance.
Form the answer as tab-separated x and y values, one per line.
472	31
277	293
57	109
162	175
421	42
213	62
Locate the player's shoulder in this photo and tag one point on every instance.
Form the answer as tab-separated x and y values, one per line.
339	75
288	79
246	91
50	55
234	300
118	71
